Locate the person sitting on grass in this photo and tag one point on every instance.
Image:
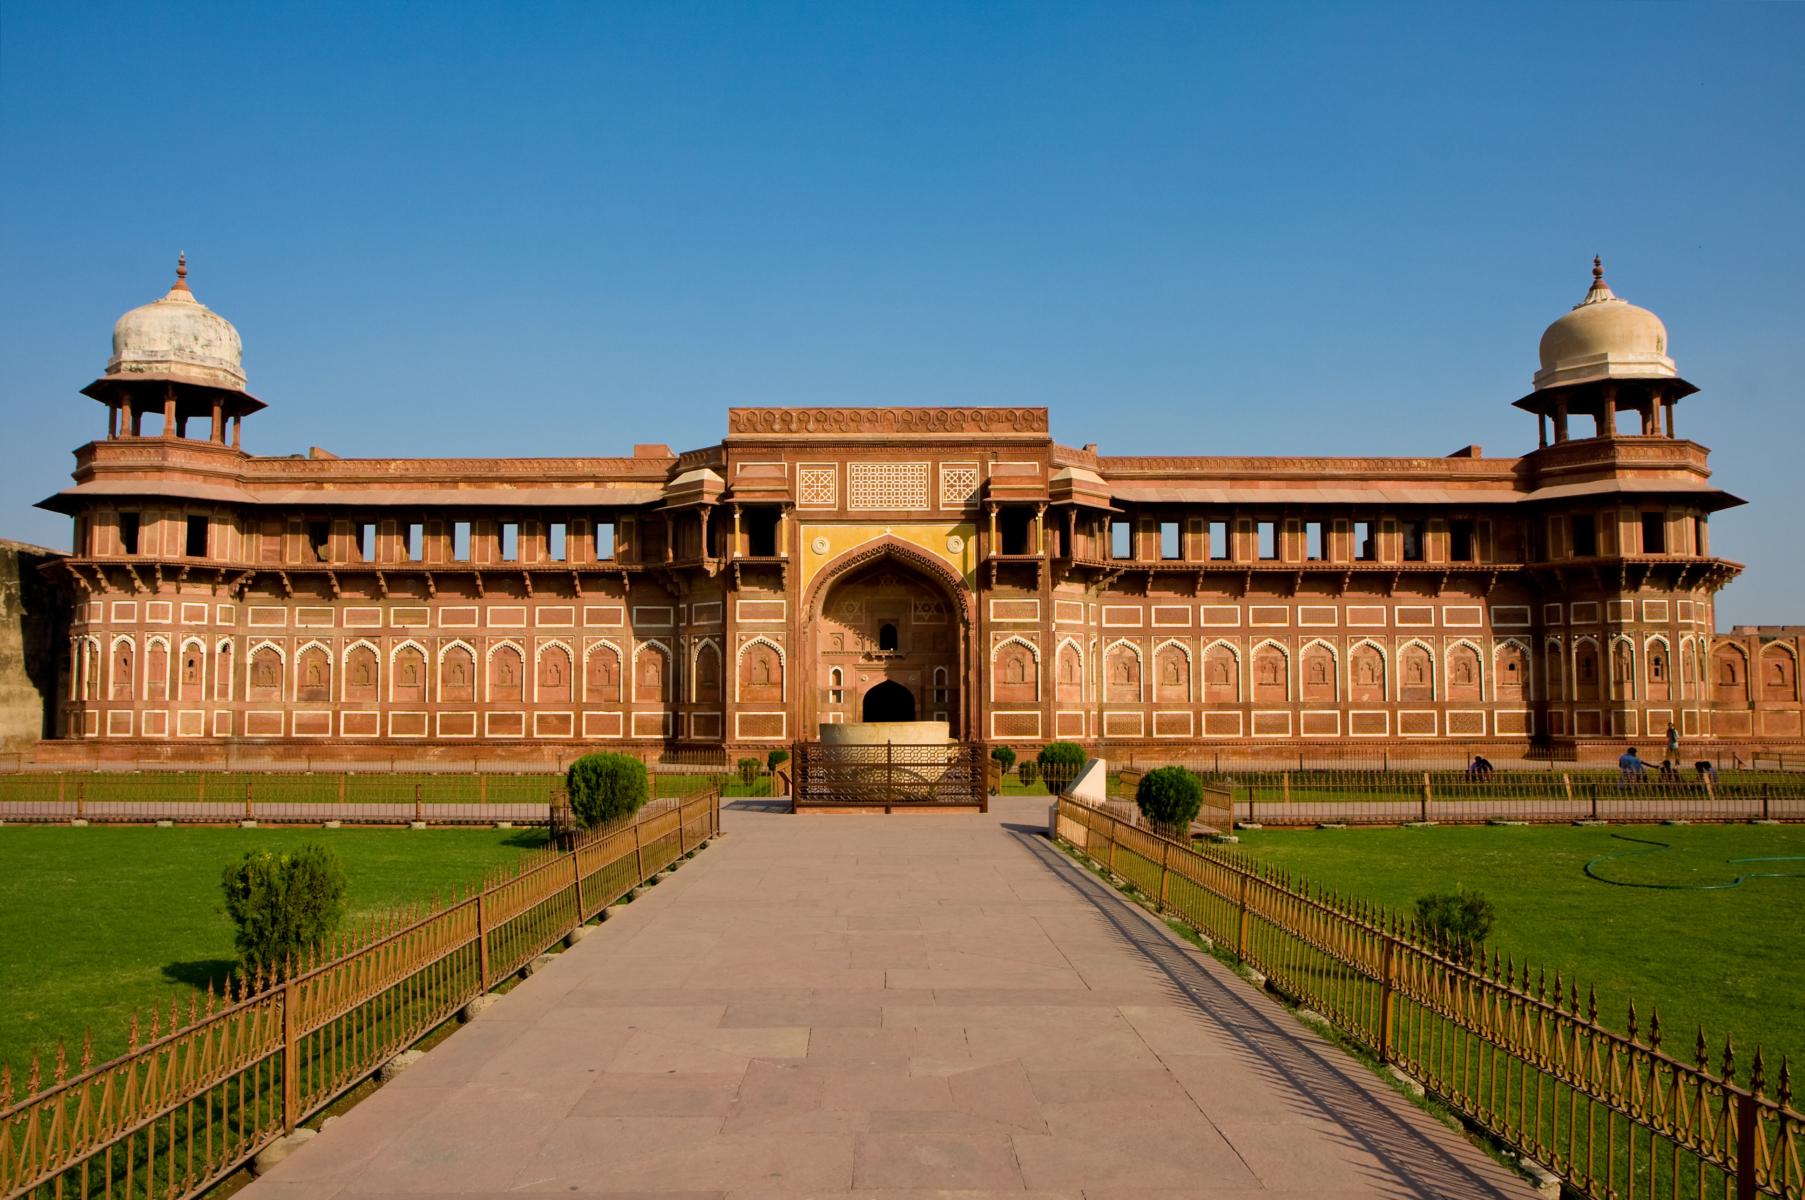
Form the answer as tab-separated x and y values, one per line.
1479	770
1669	772
1706	772
1631	768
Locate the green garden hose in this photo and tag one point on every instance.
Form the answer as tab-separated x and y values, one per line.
1659	847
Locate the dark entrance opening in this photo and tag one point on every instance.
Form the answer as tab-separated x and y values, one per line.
888	701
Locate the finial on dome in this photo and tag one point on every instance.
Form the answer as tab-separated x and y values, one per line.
181	271
1600	290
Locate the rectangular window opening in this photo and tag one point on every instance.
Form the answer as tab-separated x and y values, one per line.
1585	535
1366	547
1699	538
1016	527
366	541
1316	541
557	541
761	532
1121	539
1413	541
416	540
1269	539
1171	546
510	541
319	540
1654	533
197	538
1219	540
460	541
604	540
1460	541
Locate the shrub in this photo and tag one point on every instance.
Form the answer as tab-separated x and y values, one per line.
1060	763
284	904
1027	772
1458	923
605	787
1170	798
748	769
1005	758
776	759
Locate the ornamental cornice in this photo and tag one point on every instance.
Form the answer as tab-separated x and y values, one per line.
875	422
1240	467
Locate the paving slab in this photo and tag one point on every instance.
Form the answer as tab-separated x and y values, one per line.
893	1009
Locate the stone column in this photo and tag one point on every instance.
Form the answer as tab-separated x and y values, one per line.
169	411
1560	420
217	434
1607	420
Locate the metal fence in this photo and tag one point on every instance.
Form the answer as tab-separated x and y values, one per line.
292	797
1320	797
1614	1114
890	776
193	1100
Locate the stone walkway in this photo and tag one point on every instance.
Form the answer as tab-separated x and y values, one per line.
899	1007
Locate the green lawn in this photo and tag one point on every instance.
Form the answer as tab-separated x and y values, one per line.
100	921
1732	959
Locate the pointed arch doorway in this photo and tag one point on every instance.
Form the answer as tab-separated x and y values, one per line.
887	628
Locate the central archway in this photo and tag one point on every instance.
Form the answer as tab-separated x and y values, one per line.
888	701
887	631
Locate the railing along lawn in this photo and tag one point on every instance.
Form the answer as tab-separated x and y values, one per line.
1614	1114
191	1102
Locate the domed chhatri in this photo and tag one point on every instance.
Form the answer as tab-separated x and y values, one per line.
1604	337
177	338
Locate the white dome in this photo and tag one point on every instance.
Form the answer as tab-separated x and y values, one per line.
177	337
1603	338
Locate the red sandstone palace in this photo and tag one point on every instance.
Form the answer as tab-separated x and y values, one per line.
846	564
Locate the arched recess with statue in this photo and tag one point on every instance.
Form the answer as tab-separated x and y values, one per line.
884	619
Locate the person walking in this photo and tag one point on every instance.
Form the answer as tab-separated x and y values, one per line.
1673	742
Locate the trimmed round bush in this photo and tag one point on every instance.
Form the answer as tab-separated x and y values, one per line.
284	904
1170	798
605	787
1028	772
1060	763
776	759
1005	758
1458	923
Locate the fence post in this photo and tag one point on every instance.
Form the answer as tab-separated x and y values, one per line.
201	791
1165	870
482	789
482	943
1388	998
639	864
1114	830
889	774
1427	793
576	876
247	799
341	787
81	799
1567	786
1594	791
291	1058
1763	798
1748	1141
62	781
419	815
682	846
1241	921
1286	780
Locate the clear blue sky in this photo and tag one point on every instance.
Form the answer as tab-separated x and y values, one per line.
562	229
